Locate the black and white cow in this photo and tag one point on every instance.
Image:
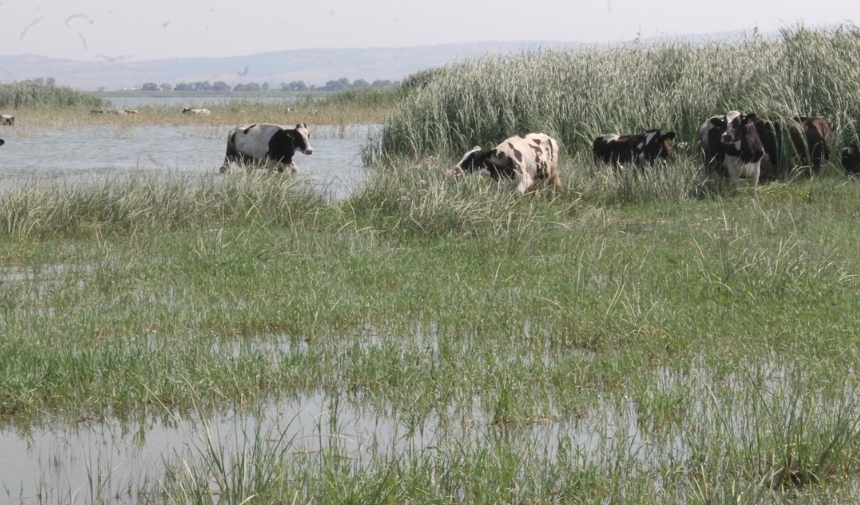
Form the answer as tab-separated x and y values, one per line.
851	159
186	110
732	140
619	149
6	119
269	144
530	160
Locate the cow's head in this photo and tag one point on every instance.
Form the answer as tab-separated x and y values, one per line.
473	160
302	141
851	159
655	145
736	127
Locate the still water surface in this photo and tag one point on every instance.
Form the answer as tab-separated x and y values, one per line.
335	165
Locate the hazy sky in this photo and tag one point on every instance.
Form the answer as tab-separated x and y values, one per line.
154	29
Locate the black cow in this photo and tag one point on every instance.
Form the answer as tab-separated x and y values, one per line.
851	159
266	143
810	138
732	140
2	142
646	147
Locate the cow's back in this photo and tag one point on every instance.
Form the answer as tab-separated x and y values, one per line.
253	140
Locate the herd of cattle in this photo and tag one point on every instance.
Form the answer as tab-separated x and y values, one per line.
733	143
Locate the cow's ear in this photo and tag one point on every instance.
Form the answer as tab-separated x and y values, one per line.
718	121
669	136
749	118
301	125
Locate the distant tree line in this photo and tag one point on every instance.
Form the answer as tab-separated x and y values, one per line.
342	84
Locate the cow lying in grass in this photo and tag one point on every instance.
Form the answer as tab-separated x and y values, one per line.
530	160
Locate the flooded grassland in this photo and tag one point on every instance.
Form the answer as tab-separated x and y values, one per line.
172	338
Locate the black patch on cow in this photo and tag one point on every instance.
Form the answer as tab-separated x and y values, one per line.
282	146
249	128
517	153
482	160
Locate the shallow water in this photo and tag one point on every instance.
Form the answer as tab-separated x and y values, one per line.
97	151
74	463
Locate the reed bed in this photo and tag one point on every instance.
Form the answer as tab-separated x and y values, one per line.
674	85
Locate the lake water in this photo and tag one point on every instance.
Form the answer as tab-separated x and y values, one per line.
29	152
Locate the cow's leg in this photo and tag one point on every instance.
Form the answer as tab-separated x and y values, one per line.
754	169
526	182
732	169
226	166
272	164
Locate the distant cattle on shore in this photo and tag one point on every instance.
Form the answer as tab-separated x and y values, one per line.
6	119
186	110
530	159
619	149
733	142
266	144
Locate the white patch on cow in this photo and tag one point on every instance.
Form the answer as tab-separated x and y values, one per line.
649	138
737	169
730	116
610	137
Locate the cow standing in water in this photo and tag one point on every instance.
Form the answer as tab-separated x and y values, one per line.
733	141
646	147
530	159
6	119
2	142
266	144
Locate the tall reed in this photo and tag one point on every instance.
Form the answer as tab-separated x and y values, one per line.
575	95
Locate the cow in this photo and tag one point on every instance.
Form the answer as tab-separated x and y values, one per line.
268	144
186	110
530	159
2	142
619	149
851	159
732	140
6	119
810	137
130	111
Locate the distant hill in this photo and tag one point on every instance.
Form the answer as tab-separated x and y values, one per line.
313	66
